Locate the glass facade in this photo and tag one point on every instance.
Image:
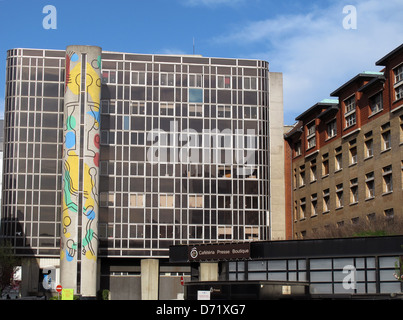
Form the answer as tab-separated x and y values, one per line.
343	275
184	152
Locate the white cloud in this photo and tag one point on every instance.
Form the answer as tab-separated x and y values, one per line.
172	51
315	53
211	3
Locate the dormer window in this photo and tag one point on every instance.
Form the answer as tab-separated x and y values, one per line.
311	137
349	113
398	71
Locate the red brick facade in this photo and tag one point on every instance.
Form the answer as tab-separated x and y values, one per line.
361	108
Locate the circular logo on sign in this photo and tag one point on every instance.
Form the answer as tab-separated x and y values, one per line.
194	253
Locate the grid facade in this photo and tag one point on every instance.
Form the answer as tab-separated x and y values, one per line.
183	152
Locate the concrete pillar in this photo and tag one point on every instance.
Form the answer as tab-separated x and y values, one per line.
276	149
30	277
79	234
208	271
149	279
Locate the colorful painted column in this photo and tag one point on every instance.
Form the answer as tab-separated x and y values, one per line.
80	209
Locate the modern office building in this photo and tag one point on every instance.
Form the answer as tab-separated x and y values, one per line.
346	156
110	158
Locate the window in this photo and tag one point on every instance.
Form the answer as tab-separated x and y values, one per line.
314	204
297	148
107	137
224	111
138	108
166	109
126	123
369	148
136	200
196	201
376	103
349	105
195	232
369	186
325	164
386	137
389	213
137	138
252	233
398	73
107	199
398	82
313	171
224	232
138	78
332	129
195	110
167	79
195	80
302	175
224	82
353	155
108	76
339	159
166	201
386	140
401	129
196	95
402	172
224	202
250	112
302	206
311	137
251	202
350	120
326	201
106	107
399	92
339	196
387	179
249	83
107	168
354	191
166	232
137	169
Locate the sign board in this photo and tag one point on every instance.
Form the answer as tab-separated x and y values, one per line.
203	295
219	252
59	288
67	294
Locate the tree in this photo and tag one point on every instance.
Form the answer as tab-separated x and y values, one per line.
8	264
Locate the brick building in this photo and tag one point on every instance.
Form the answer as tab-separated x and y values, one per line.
345	155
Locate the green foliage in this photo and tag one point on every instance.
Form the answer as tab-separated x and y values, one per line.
369	233
105	294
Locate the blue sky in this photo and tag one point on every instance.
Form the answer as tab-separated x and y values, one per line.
305	40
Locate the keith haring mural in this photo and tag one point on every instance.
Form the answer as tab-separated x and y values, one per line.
80	207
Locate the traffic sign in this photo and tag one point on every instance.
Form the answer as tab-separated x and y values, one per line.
59	288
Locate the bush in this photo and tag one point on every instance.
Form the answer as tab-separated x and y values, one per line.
365	228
